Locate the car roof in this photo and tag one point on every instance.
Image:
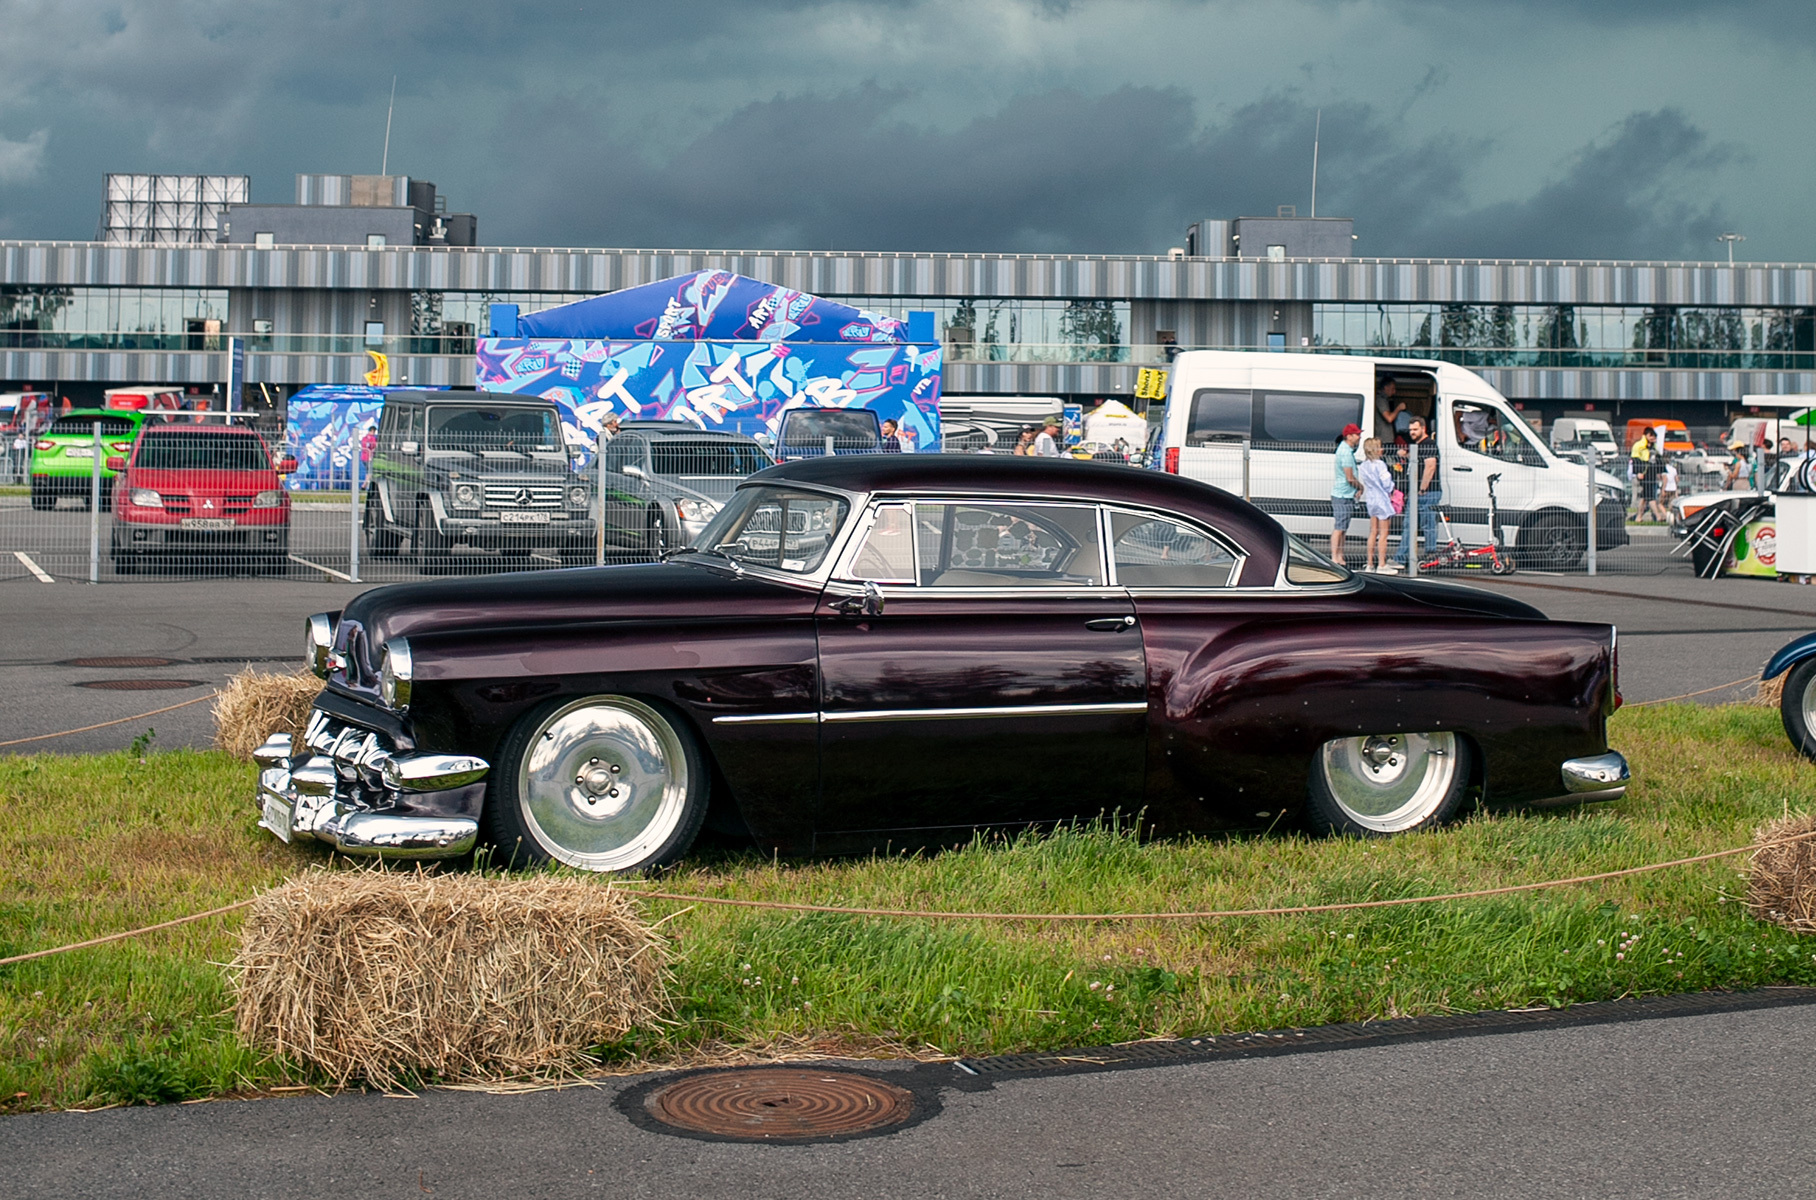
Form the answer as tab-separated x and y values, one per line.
1004	474
657	430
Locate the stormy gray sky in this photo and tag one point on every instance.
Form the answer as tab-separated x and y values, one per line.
1516	128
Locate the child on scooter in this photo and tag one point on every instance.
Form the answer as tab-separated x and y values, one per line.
1378	494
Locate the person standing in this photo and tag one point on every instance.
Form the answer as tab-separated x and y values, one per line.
1024	442
1046	445
1390	412
1645	473
1429	490
1344	488
1667	491
1378	498
891	442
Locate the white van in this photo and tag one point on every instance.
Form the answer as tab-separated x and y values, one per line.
1290	409
1580	432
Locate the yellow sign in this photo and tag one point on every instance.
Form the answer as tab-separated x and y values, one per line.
1150	384
380	374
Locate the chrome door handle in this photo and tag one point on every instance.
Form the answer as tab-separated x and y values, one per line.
1462	468
1109	624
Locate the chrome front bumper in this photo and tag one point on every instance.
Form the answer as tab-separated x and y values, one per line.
1598	777
344	786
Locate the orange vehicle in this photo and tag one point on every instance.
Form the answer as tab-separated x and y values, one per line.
1673	435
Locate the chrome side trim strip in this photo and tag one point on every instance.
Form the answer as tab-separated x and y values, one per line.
1004	710
793	718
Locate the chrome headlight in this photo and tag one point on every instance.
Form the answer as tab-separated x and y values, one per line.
466	495
395	674
695	512
269	499
146	498
577	496
318	643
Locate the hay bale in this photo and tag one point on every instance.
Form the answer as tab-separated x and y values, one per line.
256	704
1781	879
1771	691
379	976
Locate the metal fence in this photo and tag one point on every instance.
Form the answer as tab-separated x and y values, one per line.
182	499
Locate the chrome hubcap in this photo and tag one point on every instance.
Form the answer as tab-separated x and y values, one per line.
603	784
1390	782
1809	705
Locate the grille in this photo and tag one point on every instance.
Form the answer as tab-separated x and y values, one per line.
510	495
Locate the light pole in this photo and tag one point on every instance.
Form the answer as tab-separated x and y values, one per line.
1730	238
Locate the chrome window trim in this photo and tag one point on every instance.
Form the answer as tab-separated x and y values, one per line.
860	715
846	569
1241	556
814	580
788	718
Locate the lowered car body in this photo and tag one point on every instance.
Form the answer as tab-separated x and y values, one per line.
861	651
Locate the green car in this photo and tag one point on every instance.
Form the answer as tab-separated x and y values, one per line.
63	455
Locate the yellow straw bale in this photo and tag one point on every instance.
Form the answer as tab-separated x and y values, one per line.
376	976
1781	879
1770	692
256	704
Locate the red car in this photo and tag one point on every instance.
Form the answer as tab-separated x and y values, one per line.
201	490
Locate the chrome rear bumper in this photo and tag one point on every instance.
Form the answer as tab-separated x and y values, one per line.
343	785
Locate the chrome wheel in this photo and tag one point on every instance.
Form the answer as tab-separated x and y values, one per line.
1388	783
603	784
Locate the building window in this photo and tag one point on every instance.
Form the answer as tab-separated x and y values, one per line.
264	241
1276	253
375	241
375	333
262	326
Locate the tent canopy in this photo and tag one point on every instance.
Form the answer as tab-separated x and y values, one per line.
711	306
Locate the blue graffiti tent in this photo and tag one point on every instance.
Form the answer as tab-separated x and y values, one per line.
712	306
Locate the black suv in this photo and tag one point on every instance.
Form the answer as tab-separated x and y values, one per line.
477	469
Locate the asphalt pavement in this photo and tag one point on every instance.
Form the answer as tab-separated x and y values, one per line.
1708	1105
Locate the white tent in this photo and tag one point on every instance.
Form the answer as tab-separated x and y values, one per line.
1113	419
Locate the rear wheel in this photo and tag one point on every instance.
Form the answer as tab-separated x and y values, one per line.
431	545
381	542
1797	707
607	783
1387	783
43	499
1552	542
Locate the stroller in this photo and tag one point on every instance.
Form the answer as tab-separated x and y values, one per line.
1453	553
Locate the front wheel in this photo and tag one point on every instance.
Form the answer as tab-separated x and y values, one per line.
607	783
1797	707
1387	783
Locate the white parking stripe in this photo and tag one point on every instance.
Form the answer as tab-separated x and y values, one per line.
33	567
318	567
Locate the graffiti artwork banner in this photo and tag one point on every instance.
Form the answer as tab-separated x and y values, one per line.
718	306
736	386
326	427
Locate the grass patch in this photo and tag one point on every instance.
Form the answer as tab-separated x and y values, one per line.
91	845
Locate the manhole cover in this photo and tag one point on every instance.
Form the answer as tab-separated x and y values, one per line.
780	1104
115	662
140	685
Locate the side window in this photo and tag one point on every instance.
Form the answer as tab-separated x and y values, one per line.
1152	551
1008	545
623	451
1306	420
887	555
1218	414
1487	430
390	420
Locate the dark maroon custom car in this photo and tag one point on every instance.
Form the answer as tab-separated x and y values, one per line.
902	648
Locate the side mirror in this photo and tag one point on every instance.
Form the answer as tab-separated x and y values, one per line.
286	465
634	472
407	447
116	463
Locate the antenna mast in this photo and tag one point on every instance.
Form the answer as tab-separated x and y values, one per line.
1317	127
385	163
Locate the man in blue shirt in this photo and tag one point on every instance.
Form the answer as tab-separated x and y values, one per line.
1344	488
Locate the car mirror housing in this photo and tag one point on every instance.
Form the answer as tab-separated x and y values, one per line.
634	472
116	463
286	464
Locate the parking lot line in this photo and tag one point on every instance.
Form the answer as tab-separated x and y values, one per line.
33	567
325	570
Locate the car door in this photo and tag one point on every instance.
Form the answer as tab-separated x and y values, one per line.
992	676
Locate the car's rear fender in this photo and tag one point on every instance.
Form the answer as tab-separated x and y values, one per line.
1789	655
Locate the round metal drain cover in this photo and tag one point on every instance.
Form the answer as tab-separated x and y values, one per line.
780	1104
141	685
117	661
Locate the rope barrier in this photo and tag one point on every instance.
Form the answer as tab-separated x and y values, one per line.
116	937
1705	691
104	724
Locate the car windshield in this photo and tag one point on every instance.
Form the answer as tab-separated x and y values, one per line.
811	427
77	426
520	429
201	452
776	527
732	460
1305	565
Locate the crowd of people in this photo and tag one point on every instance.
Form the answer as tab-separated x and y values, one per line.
1373	475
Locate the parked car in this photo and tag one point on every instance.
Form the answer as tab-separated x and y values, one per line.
208	491
63	455
488	471
1673	436
899	649
1585	434
1289	409
664	480
804	432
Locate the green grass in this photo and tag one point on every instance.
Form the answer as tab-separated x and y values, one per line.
93	845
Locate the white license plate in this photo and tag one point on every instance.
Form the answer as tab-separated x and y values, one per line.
277	817
86	452
523	518
207	522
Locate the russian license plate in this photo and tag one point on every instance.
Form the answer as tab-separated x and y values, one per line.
523	518
277	817
207	522
78	452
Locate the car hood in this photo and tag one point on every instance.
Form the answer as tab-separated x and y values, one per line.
1455	597
447	619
